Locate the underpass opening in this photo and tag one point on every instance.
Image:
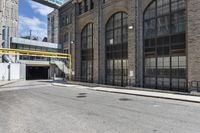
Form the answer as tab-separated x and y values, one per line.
37	72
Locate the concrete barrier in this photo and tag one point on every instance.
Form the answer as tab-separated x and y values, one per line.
12	71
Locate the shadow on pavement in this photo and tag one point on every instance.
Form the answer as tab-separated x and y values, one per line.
125	99
43	81
81	96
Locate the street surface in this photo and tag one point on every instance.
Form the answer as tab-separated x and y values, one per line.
39	107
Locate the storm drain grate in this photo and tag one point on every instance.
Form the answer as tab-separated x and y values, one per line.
81	95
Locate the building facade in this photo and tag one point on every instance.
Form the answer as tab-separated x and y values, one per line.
8	18
67	32
145	43
53	27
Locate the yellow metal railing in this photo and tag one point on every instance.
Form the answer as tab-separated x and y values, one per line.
19	52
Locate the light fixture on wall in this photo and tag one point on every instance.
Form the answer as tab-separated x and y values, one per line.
72	42
130	27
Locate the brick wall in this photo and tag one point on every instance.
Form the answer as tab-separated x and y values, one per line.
193	39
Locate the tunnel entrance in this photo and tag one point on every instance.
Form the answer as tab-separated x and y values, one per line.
36	72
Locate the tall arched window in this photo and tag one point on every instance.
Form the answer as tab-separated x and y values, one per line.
87	53
165	45
116	50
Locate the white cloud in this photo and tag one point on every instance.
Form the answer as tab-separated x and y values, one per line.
39	8
37	26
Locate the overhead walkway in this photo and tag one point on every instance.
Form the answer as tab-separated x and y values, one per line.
52	3
28	42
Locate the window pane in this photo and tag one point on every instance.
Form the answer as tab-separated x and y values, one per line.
116	49
164	41
149	27
163	7
150	12
163	25
87	53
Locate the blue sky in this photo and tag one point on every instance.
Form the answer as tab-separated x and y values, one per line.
33	16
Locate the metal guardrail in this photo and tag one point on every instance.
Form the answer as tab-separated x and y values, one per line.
188	86
194	86
132	82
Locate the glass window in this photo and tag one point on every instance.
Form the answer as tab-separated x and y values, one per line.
164	42
163	7
149	26
150	12
80	5
177	5
87	53
163	25
86	5
178	22
116	50
91	4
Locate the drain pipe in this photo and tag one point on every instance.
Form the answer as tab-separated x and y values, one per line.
99	40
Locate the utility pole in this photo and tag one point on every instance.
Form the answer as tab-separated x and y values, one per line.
30	34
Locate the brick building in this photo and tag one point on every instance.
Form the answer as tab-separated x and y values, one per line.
8	18
146	43
53	27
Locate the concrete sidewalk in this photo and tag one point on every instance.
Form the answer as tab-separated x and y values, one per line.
3	83
137	92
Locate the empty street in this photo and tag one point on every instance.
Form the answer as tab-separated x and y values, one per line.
39	107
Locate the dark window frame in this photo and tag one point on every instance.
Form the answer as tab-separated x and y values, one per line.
87	53
117	49
164	47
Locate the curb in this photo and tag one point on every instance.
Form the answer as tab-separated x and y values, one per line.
11	82
132	88
68	85
178	97
152	96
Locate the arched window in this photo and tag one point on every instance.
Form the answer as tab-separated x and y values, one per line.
87	53
116	49
164	45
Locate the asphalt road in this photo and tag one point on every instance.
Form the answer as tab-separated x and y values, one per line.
38	107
